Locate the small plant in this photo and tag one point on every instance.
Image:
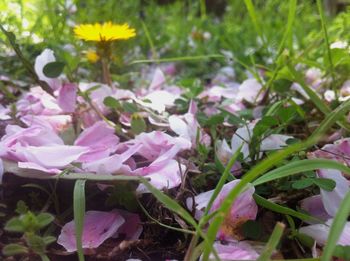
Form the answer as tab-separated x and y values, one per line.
29	224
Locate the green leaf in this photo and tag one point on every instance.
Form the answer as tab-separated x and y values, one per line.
129	107
268	121
49	240
79	214
302	183
138	125
252	230
14	249
53	70
282	85
35	243
123	194
44	219
342	252
111	102
15	225
326	184
337	228
214	120
21	207
305	240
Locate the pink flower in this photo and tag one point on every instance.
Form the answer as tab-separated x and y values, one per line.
99	226
38	147
244	208
156	143
37	106
159	150
37	102
114	164
100	139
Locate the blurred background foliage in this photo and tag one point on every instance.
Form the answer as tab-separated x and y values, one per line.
165	29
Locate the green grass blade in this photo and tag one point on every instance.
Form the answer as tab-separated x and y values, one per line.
79	214
149	39
299	166
282	210
337	228
325	34
273	242
290	21
253	16
180	59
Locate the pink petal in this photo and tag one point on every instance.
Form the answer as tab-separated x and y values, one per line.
35	166
58	156
192	109
179	126
249	91
166	176
243	136
112	164
67	97
132	228
244	208
158	79
156	143
1	170
332	199
314	206
320	232
274	142
235	251
159	100
57	122
98	226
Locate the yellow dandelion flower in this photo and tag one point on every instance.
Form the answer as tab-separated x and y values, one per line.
104	32
92	56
